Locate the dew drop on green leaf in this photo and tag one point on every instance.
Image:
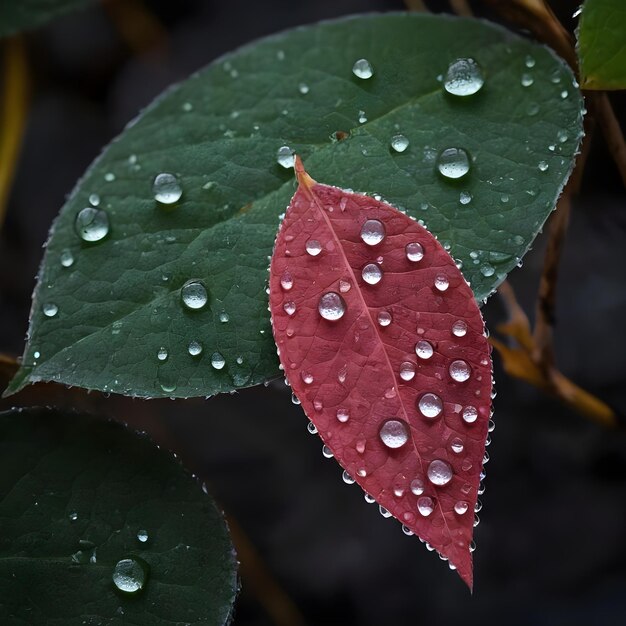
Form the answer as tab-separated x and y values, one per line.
166	188
463	78
363	69
194	295
453	163
91	224
130	575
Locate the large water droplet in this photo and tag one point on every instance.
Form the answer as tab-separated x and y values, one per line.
166	188
459	371
130	575
285	156
439	472
441	282
470	414
407	371
217	361
373	232
363	69
394	433
372	274
399	143
430	405
91	224
459	328
423	349
49	309
331	306
453	163
425	506
414	252
463	78
313	247
194	295
384	318
67	258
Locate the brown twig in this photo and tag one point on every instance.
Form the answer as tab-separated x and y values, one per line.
416	5
13	113
461	7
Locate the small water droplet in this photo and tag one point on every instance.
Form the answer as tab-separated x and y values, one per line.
417	486
327	452
373	232
430	405
362	120
109	177
461	507
372	274
383	511
464	77
399	143
504	198
224	317
286	280
384	318
457	445
194	348
360	446
166	188
423	349
470	414
94	199
343	415
529	62
290	308
414	252
459	328
394	433
142	535
344	286
313	247
562	136
425	506
441	282
407	371
331	306
542	166
439	472
49	309
295	399
453	163
67	258
130	575
303	88
407	531
307	377
527	80
162	354
465	197
285	156
92	224
73	516
217	361
363	69
460	371
564	94
194	295
347	478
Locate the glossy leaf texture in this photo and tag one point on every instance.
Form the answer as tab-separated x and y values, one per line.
18	15
108	309
77	496
602	44
383	343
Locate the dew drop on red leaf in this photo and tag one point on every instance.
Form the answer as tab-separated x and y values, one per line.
383	343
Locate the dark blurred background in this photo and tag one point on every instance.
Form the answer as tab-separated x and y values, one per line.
552	541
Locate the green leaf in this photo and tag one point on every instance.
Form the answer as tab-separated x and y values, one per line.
119	302
602	44
75	495
18	15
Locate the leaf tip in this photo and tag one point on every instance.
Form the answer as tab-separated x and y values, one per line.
304	180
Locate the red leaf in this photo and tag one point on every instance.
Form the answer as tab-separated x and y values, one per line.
382	341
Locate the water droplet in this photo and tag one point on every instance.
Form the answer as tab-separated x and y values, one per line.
470	414
459	328
562	136
311	427
457	445
327	452
360	446
430	405
49	309
67	258
343	415
527	80
295	399
466	466
166	188
439	472
423	349
383	511
194	295
399	143
285	156
91	224
373	232
142	535
394	433
94	199
460	508
313	247
425	506
453	163
347	478
109	177
372	274
286	280
542	166
130	575
463	78
529	62
441	282
363	69
194	348
217	361
459	371
407	371
303	88
362	120
331	306
417	486
465	197
307	377
564	94
290	308
73	516
344	286
504	198
407	531
162	354
384	318
369	499
414	252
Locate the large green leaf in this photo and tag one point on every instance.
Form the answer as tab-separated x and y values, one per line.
75	498
602	44
119	302
17	15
